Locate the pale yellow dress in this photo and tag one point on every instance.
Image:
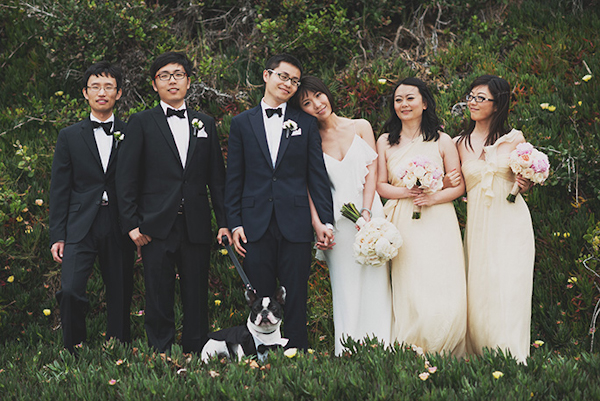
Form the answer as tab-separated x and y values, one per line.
428	275
500	253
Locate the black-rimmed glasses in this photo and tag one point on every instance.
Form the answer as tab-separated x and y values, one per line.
478	99
165	76
285	77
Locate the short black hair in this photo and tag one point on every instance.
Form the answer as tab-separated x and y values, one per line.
168	58
312	84
103	68
274	62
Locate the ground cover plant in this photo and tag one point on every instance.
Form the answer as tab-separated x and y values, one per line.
548	51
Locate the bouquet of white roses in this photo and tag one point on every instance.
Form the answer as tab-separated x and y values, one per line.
422	173
376	242
530	163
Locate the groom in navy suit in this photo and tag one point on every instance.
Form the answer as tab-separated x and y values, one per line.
168	164
274	167
84	218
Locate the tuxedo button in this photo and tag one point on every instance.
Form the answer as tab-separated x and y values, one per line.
270	199
274	178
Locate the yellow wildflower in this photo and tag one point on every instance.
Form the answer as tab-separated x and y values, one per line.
544	106
497	374
19	219
223	251
39	202
580	102
217	302
10	279
58	93
587	77
572	280
551	108
424	376
382	81
291	352
47	312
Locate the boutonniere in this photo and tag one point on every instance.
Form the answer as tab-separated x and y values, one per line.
119	136
199	131
291	127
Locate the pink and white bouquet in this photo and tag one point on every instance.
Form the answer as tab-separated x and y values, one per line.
376	242
422	173
530	163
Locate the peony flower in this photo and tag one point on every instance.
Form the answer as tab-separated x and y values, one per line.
291	352
39	202
497	374
10	279
587	77
47	312
424	376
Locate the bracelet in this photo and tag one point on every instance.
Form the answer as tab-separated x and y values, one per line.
368	210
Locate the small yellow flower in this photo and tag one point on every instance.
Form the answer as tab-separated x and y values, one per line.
58	93
47	312
382	81
223	251
566	235
544	106
424	376
572	280
217	302
19	219
291	352
28	230
39	202
10	279
587	77
112	382
539	342
551	108
580	102
311	351
497	374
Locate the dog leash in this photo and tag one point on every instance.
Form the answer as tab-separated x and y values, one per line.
237	264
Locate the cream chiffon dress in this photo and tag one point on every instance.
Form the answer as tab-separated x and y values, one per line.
362	303
428	275
500	253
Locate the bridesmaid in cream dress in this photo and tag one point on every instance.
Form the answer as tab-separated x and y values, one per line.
428	275
499	241
362	303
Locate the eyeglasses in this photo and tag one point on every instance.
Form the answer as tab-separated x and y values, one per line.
96	88
165	76
478	99
285	77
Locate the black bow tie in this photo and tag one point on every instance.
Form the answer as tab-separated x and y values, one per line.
270	112
105	126
173	112
262	348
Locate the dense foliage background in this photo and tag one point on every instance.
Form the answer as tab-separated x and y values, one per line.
547	50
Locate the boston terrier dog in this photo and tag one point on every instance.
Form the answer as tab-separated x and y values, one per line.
261	332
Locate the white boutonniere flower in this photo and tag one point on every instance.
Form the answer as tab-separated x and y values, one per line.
119	136
291	127
199	131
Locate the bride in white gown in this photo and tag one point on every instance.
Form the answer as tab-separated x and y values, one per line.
362	300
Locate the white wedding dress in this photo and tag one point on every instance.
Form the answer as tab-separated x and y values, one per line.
362	299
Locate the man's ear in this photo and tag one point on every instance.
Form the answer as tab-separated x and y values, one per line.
119	94
266	75
85	95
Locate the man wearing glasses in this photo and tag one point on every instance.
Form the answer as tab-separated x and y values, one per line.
84	218
169	161
274	161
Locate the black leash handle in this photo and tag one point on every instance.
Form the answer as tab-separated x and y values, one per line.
237	264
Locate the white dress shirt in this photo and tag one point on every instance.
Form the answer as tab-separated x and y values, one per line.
273	128
104	143
180	128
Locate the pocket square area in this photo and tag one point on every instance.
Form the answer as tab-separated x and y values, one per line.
202	133
297	132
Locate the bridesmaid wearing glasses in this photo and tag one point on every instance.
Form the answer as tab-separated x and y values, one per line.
499	241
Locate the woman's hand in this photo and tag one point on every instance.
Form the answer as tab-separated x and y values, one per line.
424	199
452	179
523	183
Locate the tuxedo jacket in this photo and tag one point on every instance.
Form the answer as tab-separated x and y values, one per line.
151	181
256	189
78	182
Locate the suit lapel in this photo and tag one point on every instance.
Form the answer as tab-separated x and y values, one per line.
290	114
191	114
161	121
118	126
258	127
87	132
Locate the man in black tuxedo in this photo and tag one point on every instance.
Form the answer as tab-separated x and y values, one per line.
169	161
274	161
84	218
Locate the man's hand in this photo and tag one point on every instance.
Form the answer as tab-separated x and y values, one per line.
238	237
324	237
138	238
224	232
139	254
57	250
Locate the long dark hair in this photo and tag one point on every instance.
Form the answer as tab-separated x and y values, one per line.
500	90
430	123
311	84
